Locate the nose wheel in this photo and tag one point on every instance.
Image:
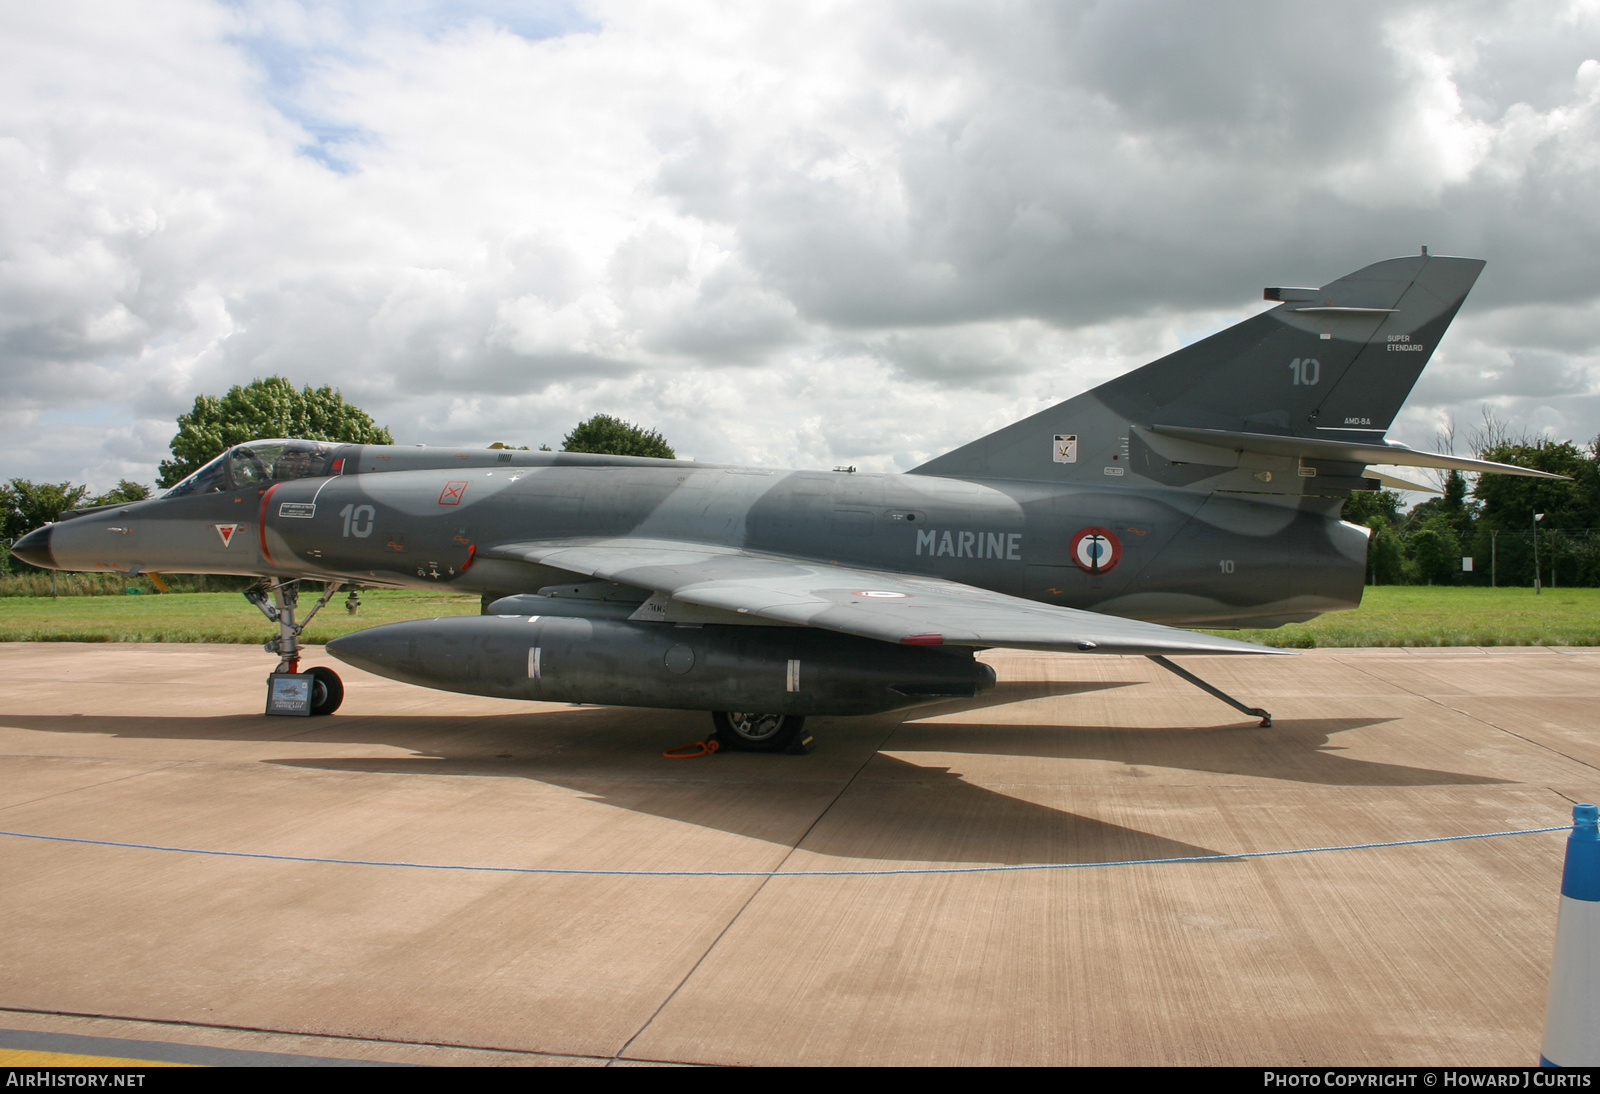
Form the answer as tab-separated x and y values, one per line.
327	690
278	600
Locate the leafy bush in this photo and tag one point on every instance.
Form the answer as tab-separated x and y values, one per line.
606	434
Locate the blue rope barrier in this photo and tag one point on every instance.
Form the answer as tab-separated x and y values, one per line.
792	873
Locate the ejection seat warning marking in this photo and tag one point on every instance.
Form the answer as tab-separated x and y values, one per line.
1066	448
300	509
225	532
533	659
451	494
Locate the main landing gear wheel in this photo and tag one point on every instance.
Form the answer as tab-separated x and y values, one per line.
745	732
327	690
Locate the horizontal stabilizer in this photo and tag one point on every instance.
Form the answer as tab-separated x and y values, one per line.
1395	482
1318	448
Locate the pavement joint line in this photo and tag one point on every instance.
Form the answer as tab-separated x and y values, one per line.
91	786
1483	721
757	890
353	1038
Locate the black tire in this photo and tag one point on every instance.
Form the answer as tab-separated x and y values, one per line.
327	690
744	732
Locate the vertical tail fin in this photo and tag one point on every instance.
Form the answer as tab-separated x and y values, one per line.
1334	362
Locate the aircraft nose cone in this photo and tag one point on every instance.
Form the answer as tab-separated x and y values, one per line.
34	548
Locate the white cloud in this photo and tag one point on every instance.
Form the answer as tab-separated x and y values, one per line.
809	235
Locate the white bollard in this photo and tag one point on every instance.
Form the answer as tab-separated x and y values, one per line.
1572	1016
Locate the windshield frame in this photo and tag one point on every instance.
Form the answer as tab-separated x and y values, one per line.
210	478
260	463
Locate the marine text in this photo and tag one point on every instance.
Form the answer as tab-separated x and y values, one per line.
960	544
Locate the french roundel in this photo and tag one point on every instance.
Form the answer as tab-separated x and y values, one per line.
1096	550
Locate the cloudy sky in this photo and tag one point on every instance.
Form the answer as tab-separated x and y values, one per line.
784	234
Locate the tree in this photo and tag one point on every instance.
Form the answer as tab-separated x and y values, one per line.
265	408
1451	507
1453	504
1380	511
603	433
1509	501
1362	505
1431	554
28	505
1386	560
123	493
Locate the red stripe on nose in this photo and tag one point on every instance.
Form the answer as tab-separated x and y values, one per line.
261	522
922	640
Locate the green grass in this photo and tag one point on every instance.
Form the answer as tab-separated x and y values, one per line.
38	583
204	617
1420	615
1390	615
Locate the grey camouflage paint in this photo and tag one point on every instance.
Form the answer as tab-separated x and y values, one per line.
1202	490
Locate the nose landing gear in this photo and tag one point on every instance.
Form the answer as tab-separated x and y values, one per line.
289	691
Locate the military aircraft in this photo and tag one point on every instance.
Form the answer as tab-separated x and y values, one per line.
1201	490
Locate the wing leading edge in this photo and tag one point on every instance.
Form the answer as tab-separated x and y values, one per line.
898	608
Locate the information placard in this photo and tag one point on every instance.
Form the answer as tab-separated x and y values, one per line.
289	693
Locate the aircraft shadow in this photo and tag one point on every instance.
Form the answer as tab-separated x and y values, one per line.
1015	691
902	813
1293	750
897	810
932	815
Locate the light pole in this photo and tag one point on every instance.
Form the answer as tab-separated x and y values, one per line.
1537	585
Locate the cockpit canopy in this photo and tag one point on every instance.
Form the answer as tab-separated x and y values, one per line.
257	462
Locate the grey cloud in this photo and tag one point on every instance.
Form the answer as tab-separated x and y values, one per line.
1531	375
1251	79
732	321
916	200
986	358
651	258
1571	417
536	263
310	335
1155	155
1559	328
1528	57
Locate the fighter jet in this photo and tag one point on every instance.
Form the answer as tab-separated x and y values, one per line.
1202	490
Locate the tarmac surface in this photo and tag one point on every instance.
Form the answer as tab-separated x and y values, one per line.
1412	955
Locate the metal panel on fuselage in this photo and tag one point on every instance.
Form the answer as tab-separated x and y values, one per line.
200	534
1167	555
418	527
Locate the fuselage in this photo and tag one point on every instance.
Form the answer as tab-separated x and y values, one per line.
431	517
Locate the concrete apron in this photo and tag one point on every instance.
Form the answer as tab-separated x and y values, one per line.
1410	955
